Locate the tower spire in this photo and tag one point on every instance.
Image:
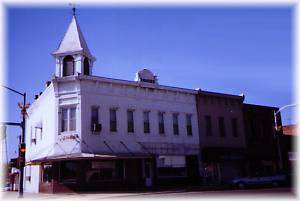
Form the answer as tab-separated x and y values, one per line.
73	5
73	55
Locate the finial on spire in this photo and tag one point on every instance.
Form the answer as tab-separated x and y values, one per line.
73	8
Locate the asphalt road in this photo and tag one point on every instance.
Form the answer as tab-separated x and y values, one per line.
178	194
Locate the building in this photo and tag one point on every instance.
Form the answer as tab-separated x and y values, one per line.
221	136
261	140
288	149
87	132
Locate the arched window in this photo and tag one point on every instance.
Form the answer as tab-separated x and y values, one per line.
86	66
68	66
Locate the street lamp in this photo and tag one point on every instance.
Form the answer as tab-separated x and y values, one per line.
276	131
22	143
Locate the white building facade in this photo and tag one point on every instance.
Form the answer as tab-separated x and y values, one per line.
87	132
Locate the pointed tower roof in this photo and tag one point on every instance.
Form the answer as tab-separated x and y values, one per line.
73	41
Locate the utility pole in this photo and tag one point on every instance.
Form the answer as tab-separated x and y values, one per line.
22	145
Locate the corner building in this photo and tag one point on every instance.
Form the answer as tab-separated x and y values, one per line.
86	132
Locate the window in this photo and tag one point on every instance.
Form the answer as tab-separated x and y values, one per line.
147	80
161	125
130	122
171	166
175	124
113	119
68	119
146	122
222	127
208	125
68	66
226	101
204	99
72	119
94	118
189	124
68	171
28	173
103	171
32	135
232	103
64	119
234	127
86	66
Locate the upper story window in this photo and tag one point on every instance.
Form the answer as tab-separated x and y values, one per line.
113	119
72	119
234	127
208	125
68	66
32	135
189	129
64	119
161	124
130	121
175	124
95	126
86	66
222	127
94	115
68	119
226	101
146	119
204	99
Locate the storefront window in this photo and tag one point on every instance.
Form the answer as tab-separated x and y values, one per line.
102	170
68	171
171	172
171	166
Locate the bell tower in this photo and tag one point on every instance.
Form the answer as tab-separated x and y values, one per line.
73	56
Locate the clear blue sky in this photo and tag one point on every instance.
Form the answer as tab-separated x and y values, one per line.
230	50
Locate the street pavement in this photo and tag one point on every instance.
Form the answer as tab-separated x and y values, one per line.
177	194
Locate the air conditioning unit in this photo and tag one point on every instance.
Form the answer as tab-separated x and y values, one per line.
33	141
96	127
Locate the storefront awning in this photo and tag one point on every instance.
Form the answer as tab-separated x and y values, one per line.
83	156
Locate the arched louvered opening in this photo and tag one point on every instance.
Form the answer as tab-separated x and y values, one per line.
86	66
68	66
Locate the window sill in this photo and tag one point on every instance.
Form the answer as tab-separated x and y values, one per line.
95	132
68	132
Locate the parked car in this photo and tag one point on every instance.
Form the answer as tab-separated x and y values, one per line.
274	180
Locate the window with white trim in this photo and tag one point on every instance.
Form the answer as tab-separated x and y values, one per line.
68	119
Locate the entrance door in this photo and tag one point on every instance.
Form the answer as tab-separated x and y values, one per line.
46	180
148	173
